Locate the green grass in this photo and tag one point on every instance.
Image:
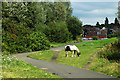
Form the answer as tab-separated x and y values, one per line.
54	44
42	55
14	68
87	50
105	66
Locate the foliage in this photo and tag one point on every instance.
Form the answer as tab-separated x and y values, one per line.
115	34
118	13
111	51
14	68
20	21
106	21
57	32
116	22
97	24
74	26
105	66
38	41
107	60
95	37
16	40
79	38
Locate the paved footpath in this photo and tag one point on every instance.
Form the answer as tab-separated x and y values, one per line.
61	70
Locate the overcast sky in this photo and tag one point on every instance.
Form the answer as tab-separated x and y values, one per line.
91	12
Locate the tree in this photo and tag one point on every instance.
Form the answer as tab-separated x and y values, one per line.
116	22
118	13
74	26
57	32
97	24
106	21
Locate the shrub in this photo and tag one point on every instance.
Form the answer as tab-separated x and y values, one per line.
111	51
15	42
115	34
95	37
79	38
38	41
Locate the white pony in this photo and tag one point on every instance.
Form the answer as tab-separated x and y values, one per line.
72	48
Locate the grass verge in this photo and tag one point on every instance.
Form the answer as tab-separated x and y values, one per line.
107	60
14	68
42	55
105	66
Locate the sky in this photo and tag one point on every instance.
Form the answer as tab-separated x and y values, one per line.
95	11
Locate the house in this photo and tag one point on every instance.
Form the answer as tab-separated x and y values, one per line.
89	32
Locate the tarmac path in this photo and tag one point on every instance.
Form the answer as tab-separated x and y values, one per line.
63	71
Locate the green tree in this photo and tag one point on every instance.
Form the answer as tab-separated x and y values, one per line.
106	21
57	32
118	13
98	25
74	26
116	22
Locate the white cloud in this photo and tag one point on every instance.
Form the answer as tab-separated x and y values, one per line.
92	12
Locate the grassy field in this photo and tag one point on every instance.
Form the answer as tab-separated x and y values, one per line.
14	68
86	49
42	55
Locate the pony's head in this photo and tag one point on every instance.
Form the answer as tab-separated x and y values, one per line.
78	53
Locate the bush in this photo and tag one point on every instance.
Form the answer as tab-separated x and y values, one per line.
17	41
115	34
79	38
38	41
111	51
95	37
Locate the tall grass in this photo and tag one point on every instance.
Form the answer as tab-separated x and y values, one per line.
107	60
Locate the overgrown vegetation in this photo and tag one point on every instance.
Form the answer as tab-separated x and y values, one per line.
14	68
22	23
111	51
107	60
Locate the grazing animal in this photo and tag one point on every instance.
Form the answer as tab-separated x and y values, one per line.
72	48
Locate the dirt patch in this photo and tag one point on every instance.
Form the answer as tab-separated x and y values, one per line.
55	56
87	65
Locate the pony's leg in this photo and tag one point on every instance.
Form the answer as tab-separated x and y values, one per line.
66	54
72	53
